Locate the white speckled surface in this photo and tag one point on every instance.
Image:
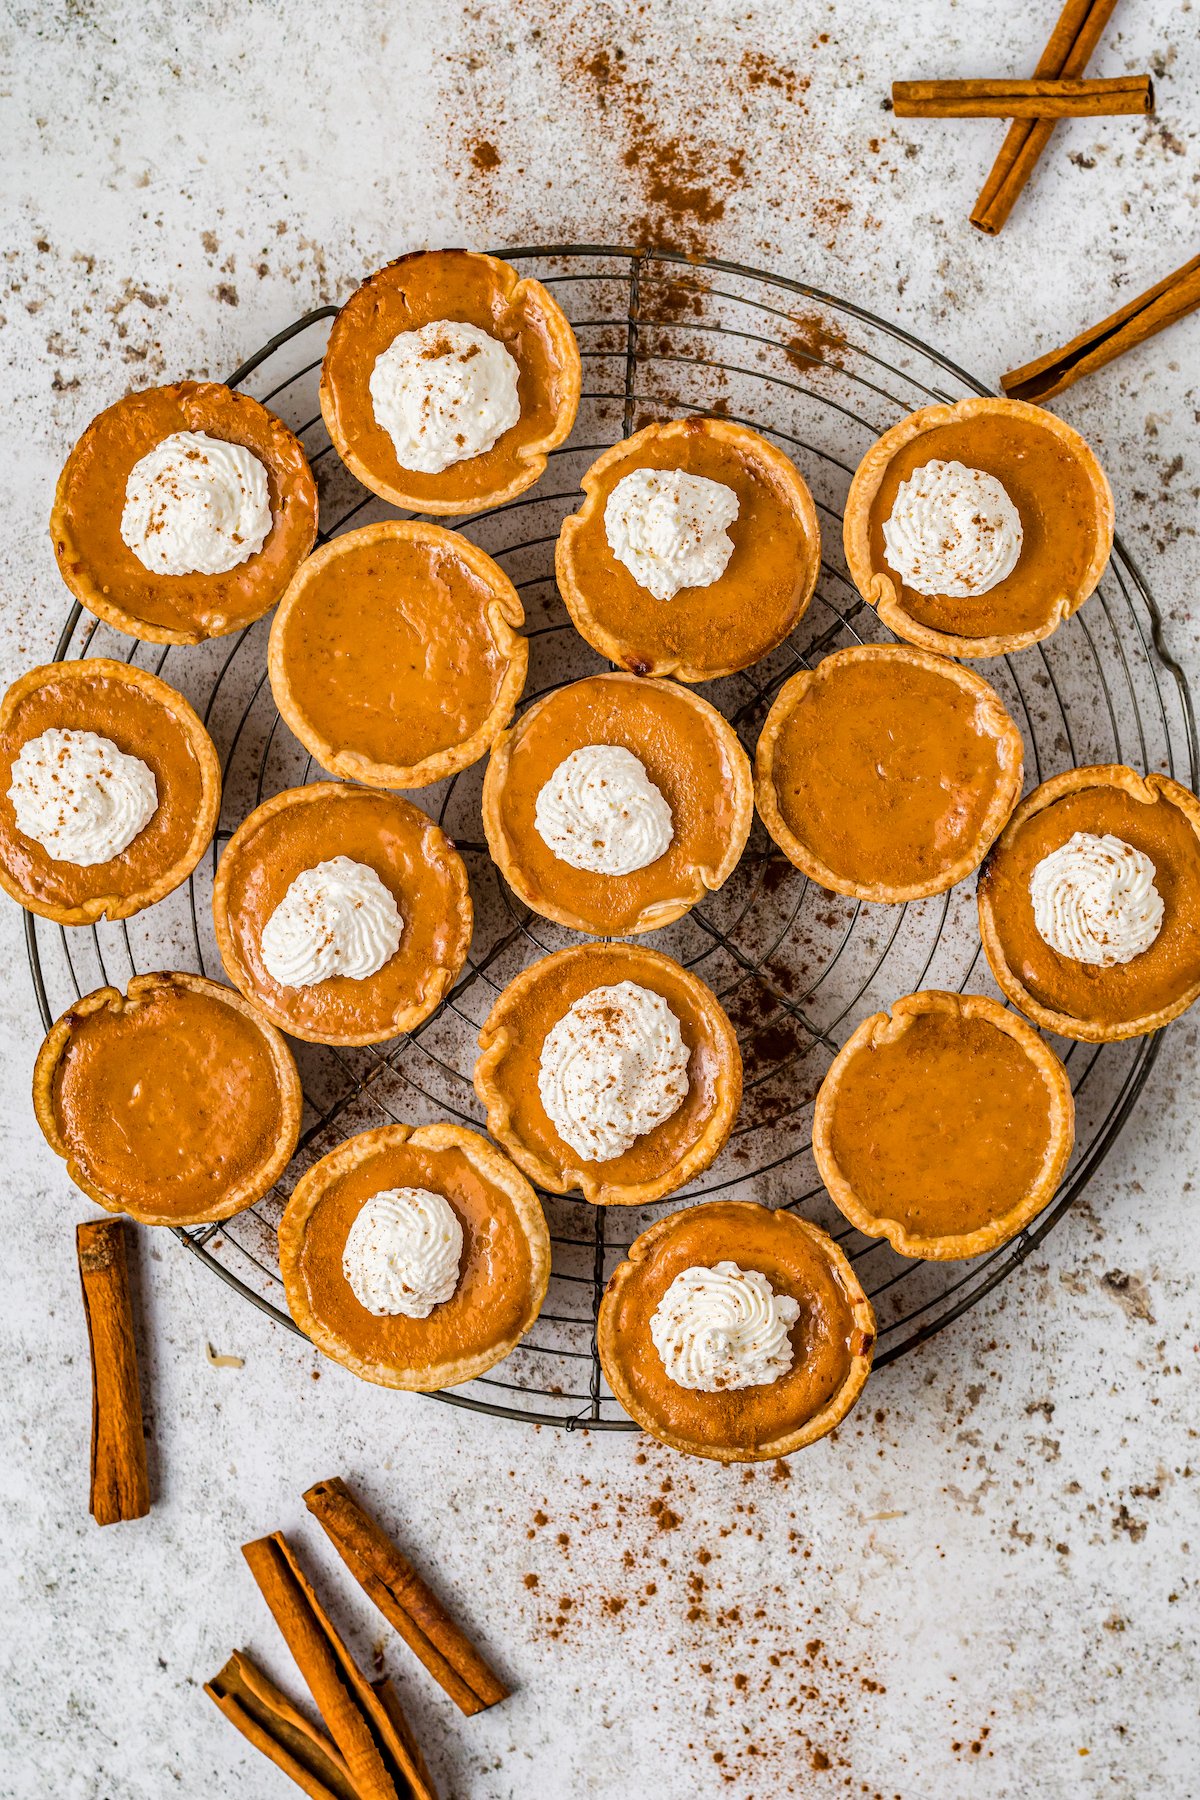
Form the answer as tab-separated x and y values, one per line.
983	1586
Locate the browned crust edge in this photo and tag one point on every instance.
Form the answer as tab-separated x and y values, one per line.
834	1411
573	588
878	588
1012	756
494	1167
286	451
291	1099
1148	789
564	1178
530	457
504	614
115	906
506	854
438	981
881	1028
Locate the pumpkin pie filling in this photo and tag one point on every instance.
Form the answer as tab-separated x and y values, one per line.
1154	816
143	717
306	827
176	1103
886	772
503	1267
394	656
706	631
106	575
686	750
831	1339
944	1127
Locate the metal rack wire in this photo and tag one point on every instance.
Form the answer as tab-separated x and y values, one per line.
662	335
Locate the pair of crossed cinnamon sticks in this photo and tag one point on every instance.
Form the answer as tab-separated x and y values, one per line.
368	1751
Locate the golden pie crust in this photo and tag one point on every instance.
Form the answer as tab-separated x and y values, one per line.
690	753
102	571
886	772
1058	487
505	1266
1080	1000
833	1339
506	1076
704	632
944	1127
468	288
395	656
146	718
415	861
175	1103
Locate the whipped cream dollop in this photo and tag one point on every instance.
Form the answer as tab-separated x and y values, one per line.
337	918
1094	900
601	811
79	797
953	531
669	529
196	505
443	393
723	1327
402	1253
612	1068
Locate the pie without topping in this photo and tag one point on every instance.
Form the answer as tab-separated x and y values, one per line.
663	1159
689	753
832	1340
703	632
175	1102
420	289
886	772
1051	476
395	655
415	861
143	717
1097	1003
503	1271
106	576
945	1126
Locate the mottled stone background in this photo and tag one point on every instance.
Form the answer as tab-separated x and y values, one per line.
983	1585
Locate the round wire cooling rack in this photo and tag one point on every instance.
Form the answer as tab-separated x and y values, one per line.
797	968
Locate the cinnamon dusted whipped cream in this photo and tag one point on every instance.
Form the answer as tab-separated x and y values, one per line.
669	529
196	505
1094	900
337	918
443	393
612	1068
723	1327
952	531
402	1253
600	811
79	797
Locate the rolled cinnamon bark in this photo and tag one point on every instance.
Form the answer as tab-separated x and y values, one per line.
120	1484
987	99
1162	305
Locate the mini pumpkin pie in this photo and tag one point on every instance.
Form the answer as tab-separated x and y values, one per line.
344	914
447	381
886	772
417	1257
735	1332
183	512
174	1102
945	1126
610	1070
395	655
616	803
976	529
696	550
1089	904
109	790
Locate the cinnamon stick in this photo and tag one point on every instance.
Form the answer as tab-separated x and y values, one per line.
380	1764
269	1721
120	1484
1076	35
1170	300
987	99
389	1579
